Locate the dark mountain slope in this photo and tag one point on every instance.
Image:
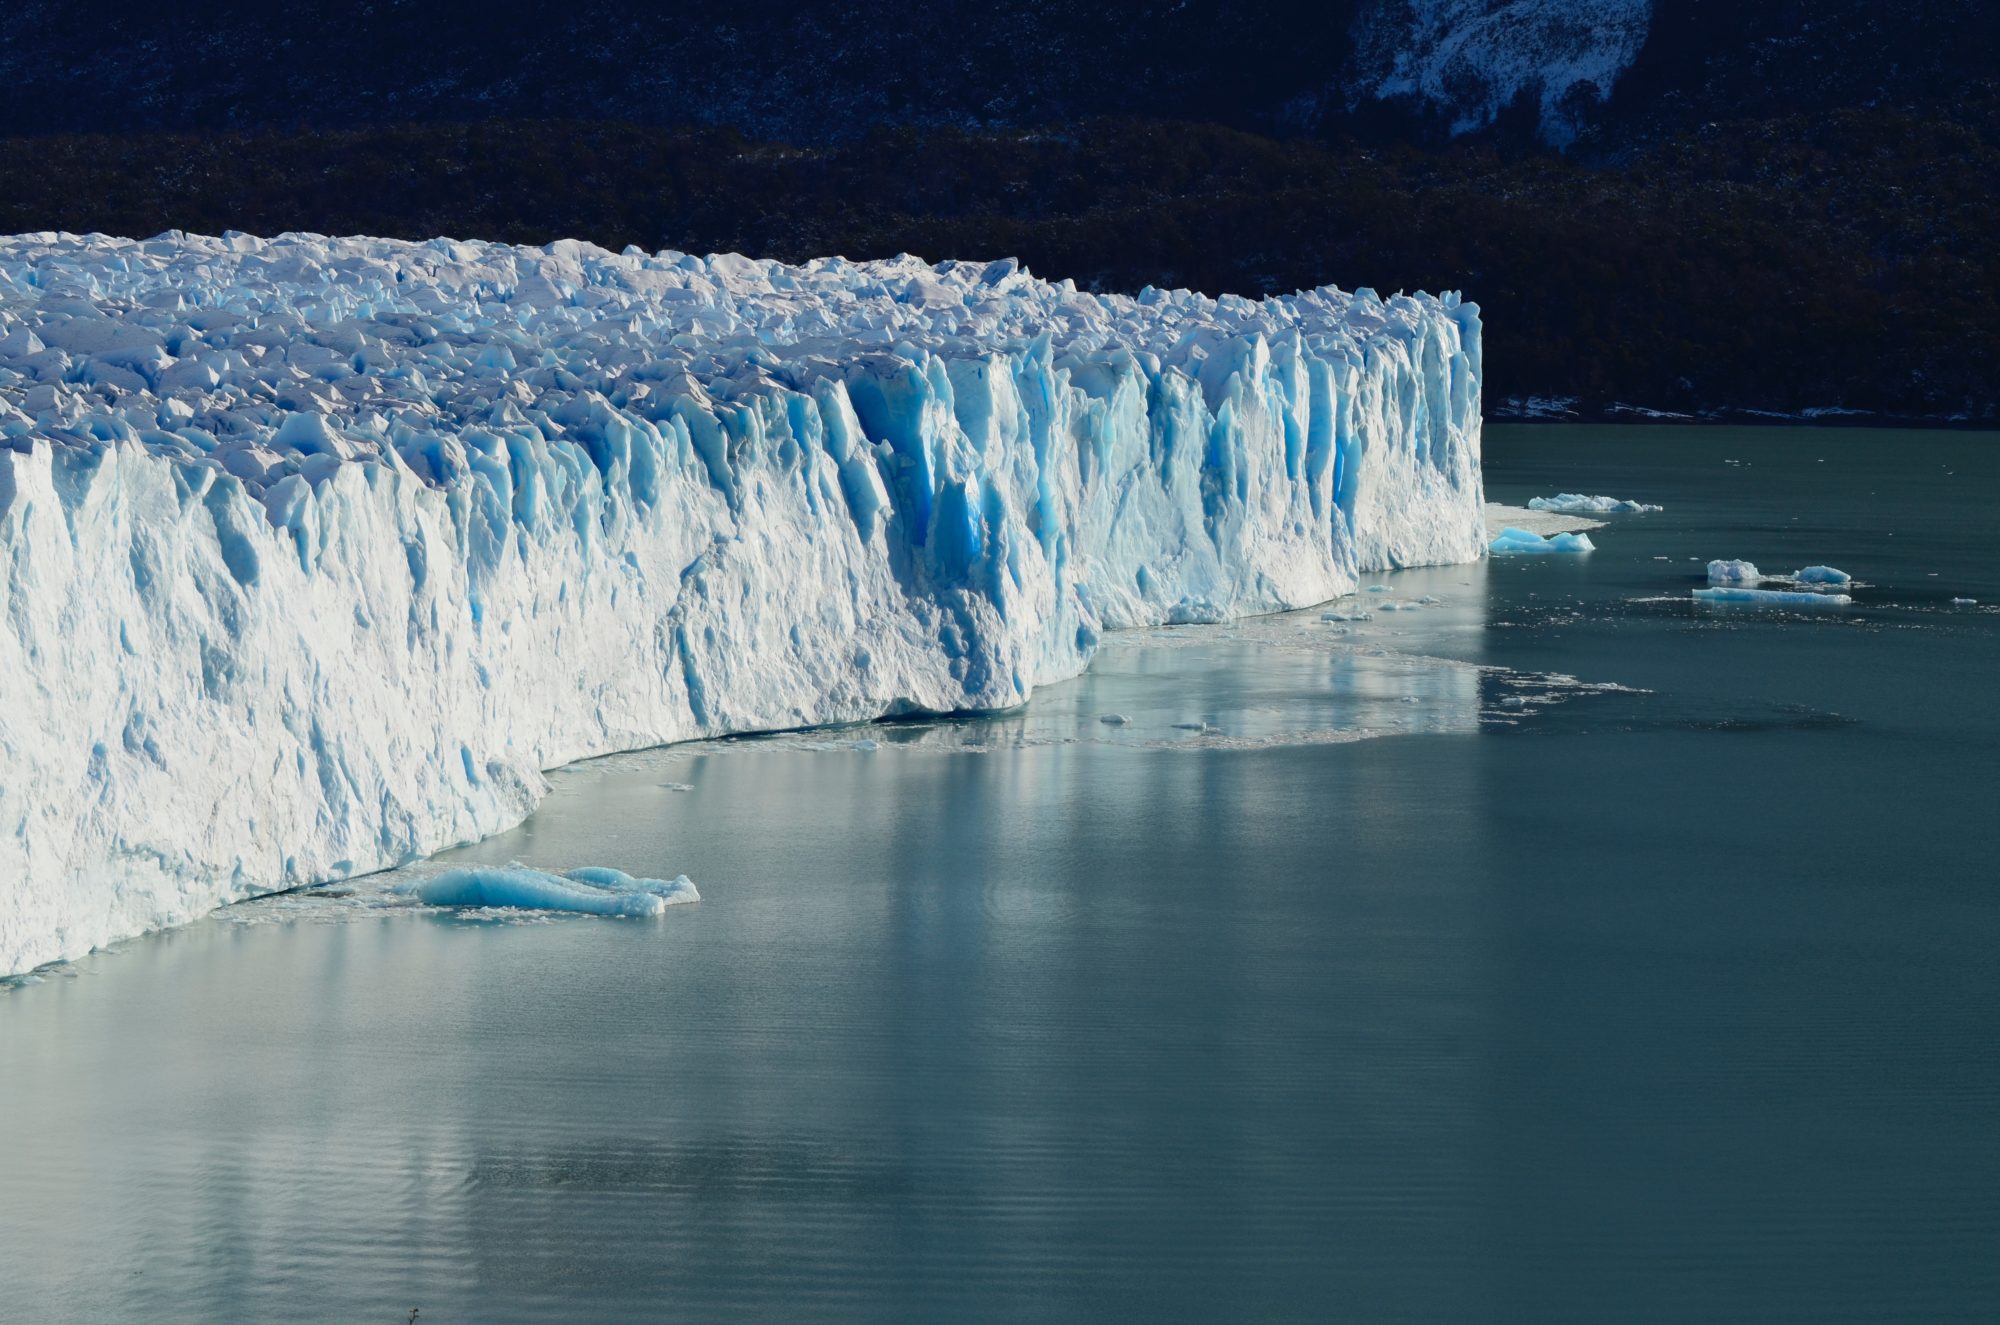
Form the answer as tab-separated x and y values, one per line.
1847	260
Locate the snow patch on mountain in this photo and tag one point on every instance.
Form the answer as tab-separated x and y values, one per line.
1469	59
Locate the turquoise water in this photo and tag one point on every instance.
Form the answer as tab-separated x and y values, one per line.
1671	992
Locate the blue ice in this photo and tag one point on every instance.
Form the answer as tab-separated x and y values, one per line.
1772	597
1823	575
591	891
1514	541
680	888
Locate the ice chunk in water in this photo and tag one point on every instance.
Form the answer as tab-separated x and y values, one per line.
678	889
1513	542
1822	575
1575	503
1733	572
1772	597
601	892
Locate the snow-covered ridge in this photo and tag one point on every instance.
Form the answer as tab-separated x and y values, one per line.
315	552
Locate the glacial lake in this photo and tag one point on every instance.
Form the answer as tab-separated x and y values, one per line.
1554	951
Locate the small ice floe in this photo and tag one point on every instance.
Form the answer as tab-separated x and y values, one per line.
1113	719
1430	600
1772	597
677	786
1511	701
1576	503
1391	605
1378	588
1515	542
867	744
1733	572
1822	575
1965	602
593	890
1191	726
1347	614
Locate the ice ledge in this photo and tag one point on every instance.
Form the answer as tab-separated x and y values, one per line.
313	553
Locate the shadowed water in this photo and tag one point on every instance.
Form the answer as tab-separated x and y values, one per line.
1671	992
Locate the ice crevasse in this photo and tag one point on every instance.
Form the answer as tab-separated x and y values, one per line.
315	553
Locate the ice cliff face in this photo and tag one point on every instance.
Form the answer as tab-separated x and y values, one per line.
1471	58
314	553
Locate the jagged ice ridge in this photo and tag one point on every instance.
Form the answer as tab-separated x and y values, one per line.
314	552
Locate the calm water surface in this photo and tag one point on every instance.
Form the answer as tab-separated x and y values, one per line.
1671	992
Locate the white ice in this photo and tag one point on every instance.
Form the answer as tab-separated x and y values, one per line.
1575	503
1733	572
1515	542
315	552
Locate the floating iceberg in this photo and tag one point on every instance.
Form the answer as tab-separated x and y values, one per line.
314	552
1575	503
1822	575
1512	541
1772	597
592	890
1733	572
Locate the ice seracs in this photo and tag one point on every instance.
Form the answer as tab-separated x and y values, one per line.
315	552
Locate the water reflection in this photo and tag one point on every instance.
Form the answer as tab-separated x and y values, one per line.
1664	1000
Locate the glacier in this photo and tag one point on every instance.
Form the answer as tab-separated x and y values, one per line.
316	552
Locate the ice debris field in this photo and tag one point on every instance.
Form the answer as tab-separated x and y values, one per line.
315	553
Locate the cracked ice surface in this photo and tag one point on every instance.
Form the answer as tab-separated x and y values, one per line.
315	552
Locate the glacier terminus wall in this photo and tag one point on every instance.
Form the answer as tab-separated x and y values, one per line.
315	553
